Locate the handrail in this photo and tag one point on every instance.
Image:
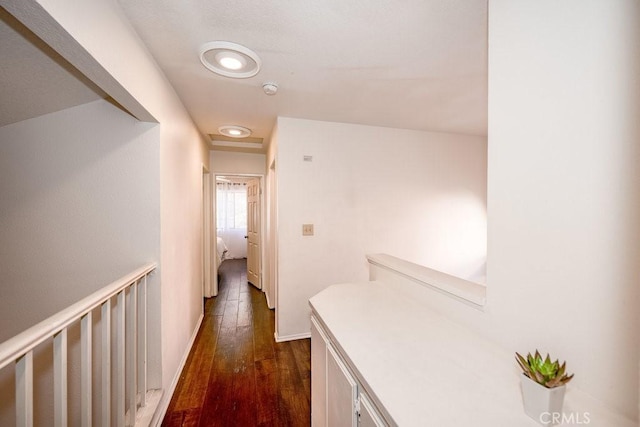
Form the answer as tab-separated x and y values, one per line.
27	340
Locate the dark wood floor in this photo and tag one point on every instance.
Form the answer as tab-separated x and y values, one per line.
236	374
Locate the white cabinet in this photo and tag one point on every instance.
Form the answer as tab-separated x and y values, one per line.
318	376
342	392
337	399
369	416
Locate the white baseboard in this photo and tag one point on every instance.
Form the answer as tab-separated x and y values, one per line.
156	421
284	338
144	415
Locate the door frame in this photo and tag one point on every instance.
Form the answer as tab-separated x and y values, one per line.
270	285
214	234
206	232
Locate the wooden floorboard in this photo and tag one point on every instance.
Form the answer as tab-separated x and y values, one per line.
236	374
301	350
293	405
266	392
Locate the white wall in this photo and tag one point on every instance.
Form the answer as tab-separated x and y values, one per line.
102	30
81	199
227	162
564	187
415	195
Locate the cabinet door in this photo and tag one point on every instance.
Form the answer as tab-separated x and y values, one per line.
318	376
342	391
369	416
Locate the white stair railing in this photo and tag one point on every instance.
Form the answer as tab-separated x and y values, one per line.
130	294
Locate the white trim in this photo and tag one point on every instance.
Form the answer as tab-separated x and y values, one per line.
145	413
269	304
471	293
168	394
291	337
272	237
207	239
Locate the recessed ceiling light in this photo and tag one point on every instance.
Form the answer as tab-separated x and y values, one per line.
230	59
234	131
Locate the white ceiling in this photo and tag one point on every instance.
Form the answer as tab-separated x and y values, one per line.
34	79
415	64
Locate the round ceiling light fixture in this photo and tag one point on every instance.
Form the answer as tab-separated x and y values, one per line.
234	131
230	59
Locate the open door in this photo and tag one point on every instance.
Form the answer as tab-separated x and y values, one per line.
253	232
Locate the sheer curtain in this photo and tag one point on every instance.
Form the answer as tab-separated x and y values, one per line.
231	217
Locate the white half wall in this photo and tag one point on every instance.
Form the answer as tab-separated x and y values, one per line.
564	187
415	195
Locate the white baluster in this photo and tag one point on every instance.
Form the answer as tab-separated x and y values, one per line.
132	375
105	322
142	340
86	340
120	356
60	378
24	390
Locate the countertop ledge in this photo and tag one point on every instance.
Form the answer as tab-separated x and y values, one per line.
420	367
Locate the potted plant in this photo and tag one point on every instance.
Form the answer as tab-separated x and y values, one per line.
543	386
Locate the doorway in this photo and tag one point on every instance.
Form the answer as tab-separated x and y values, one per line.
238	200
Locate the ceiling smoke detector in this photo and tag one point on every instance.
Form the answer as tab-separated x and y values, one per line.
234	131
230	59
270	88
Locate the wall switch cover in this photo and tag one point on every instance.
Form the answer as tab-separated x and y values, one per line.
307	229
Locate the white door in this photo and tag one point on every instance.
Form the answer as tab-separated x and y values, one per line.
253	232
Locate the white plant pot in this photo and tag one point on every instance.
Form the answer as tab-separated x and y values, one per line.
541	403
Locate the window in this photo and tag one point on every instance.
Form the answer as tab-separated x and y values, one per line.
232	205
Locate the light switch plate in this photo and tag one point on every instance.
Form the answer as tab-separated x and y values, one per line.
307	229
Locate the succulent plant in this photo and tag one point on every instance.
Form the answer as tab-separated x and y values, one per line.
544	371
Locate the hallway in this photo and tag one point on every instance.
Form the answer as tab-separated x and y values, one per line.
236	374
